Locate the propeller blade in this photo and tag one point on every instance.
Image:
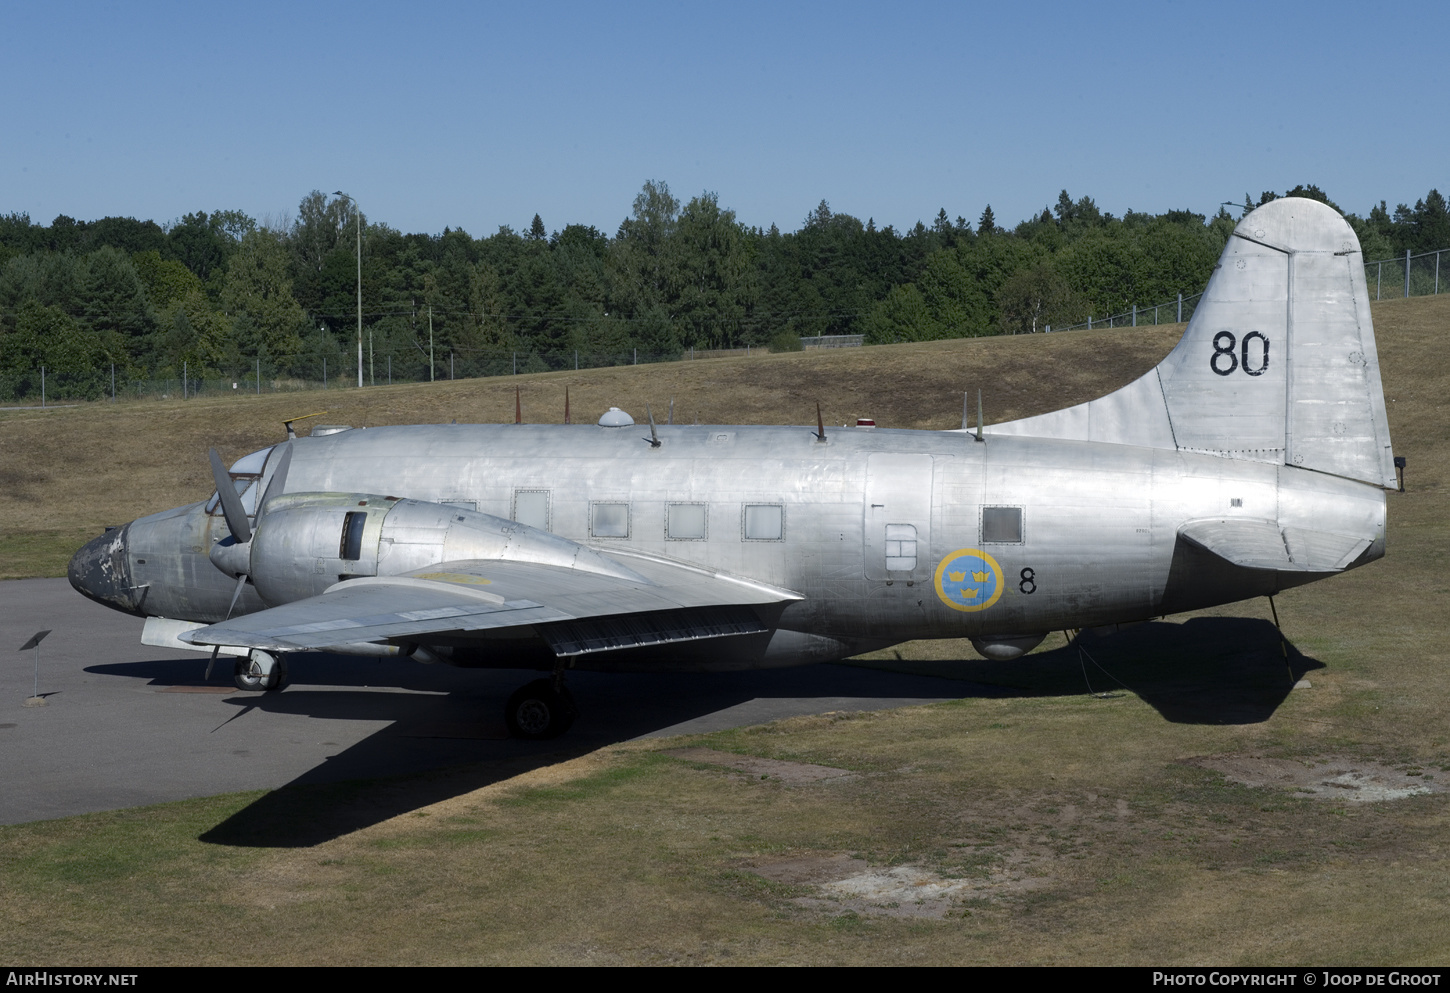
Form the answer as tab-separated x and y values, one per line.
278	484
236	595
231	503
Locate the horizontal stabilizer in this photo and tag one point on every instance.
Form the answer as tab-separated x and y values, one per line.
1260	544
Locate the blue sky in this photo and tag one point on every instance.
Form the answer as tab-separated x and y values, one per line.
478	115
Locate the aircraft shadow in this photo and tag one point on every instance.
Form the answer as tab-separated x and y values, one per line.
1208	670
445	736
445	745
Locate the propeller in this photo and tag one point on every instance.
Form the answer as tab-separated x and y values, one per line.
236	516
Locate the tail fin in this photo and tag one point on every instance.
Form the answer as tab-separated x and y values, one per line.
1278	364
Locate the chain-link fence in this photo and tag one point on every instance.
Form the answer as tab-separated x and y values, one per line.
1170	312
52	387
1410	276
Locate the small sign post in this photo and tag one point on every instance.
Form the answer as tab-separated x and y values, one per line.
36	700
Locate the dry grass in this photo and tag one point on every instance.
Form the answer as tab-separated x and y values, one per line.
1090	829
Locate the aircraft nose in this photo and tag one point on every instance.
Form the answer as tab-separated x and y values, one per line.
101	572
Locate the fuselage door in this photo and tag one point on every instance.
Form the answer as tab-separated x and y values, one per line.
897	510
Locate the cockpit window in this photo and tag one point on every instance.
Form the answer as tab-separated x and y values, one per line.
246	474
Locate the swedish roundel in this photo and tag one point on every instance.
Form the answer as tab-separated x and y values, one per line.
969	579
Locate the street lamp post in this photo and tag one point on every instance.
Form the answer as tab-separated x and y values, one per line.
339	193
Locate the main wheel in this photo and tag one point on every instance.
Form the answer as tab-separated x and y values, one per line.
253	678
537	711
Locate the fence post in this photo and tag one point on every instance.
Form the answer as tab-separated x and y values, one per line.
259	375
1407	274
1090	322
1379	272
1135	315
576	360
636	356
1437	273
1180	309
113	382
42	387
450	364
390	370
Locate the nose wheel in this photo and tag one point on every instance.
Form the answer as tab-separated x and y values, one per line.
260	671
539	710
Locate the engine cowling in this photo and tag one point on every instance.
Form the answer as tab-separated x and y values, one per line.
307	542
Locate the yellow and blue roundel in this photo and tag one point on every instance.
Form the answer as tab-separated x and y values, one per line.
969	579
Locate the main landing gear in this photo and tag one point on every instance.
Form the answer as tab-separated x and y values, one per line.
260	671
542	709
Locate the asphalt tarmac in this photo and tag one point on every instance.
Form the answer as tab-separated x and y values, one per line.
126	725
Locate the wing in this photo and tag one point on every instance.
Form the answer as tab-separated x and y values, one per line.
655	601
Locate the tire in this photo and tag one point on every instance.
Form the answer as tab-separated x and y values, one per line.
245	679
279	678
250	682
536	712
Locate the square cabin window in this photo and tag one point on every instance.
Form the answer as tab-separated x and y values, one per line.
531	507
764	522
1002	525
609	520
685	521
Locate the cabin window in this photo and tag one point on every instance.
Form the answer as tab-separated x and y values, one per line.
764	522
900	547
609	520
531	507
685	521
1002	525
350	547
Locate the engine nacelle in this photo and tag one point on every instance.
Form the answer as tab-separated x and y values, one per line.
304	543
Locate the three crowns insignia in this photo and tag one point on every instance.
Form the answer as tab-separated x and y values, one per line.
969	593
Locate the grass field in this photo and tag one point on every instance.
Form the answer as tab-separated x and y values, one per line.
1199	811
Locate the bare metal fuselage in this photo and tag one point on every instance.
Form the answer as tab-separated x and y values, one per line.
1097	538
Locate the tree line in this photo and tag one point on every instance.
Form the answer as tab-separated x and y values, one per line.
221	294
